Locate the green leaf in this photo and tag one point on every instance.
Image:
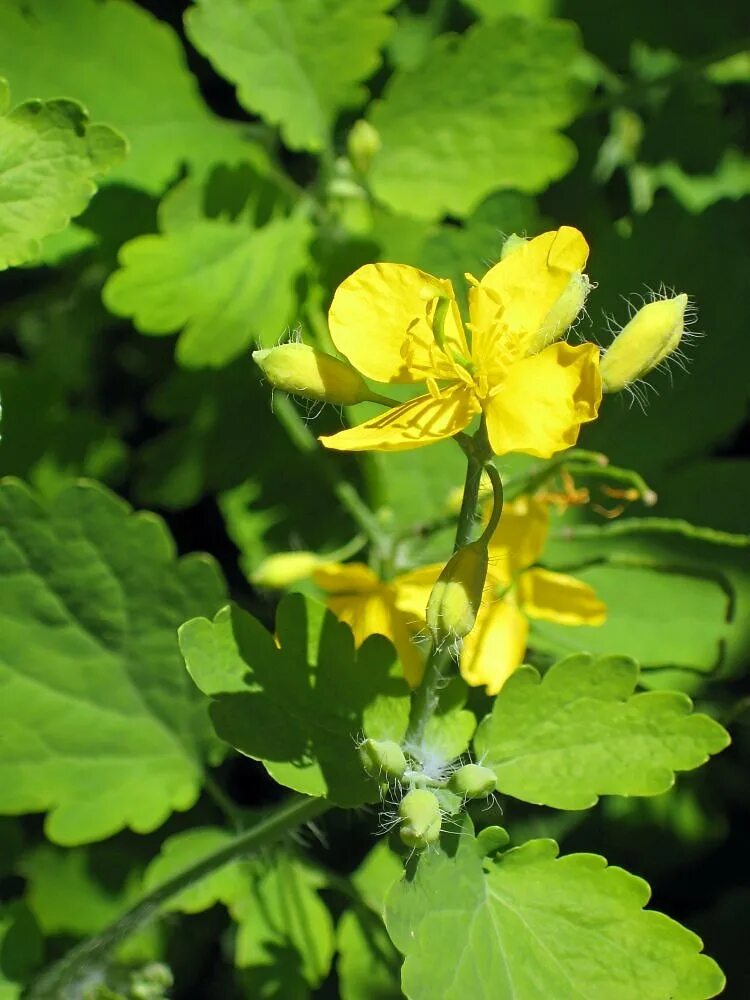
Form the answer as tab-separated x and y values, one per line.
102	728
696	192
643	618
157	107
298	708
224	282
491	10
315	51
55	878
722	558
274	901
529	924
21	949
368	965
444	148
580	732
50	156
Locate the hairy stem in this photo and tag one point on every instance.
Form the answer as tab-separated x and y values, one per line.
93	953
425	699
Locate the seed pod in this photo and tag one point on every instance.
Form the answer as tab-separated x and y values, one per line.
650	336
382	758
303	371
420	819
472	781
455	599
282	570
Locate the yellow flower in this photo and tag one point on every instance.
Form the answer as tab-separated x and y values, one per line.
395	609
395	323
517	591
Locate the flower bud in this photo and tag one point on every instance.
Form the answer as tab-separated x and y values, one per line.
563	313
454	601
420	818
284	569
650	336
512	243
472	781
303	371
382	758
362	143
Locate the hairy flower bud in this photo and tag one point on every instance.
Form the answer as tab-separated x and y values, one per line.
454	601
303	371
650	336
382	758
282	570
563	313
473	781
362	143
420	818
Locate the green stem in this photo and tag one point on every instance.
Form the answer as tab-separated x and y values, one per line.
303	438
92	953
426	697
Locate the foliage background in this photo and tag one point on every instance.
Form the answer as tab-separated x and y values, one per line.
233	218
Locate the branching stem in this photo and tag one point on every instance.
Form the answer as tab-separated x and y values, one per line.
59	981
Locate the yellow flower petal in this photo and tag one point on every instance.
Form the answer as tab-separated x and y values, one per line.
523	287
519	538
379	321
556	597
346	578
544	399
375	613
495	647
413	590
419	422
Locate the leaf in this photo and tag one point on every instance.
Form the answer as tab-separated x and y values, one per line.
368	966
643	618
299	706
21	949
444	148
696	192
580	732
100	726
50	156
223	281
158	107
529	924
55	878
722	558
315	51
273	899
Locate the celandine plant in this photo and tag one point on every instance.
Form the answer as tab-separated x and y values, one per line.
408	694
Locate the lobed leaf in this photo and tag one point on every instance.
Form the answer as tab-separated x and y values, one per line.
50	156
299	703
580	732
315	52
99	725
512	87
221	281
155	101
528	924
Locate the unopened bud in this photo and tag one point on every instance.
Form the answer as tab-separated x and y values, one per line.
362	143
420	818
563	313
650	336
513	242
455	599
284	569
303	371
382	758
473	781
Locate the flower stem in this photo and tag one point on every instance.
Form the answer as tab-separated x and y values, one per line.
425	699
60	980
